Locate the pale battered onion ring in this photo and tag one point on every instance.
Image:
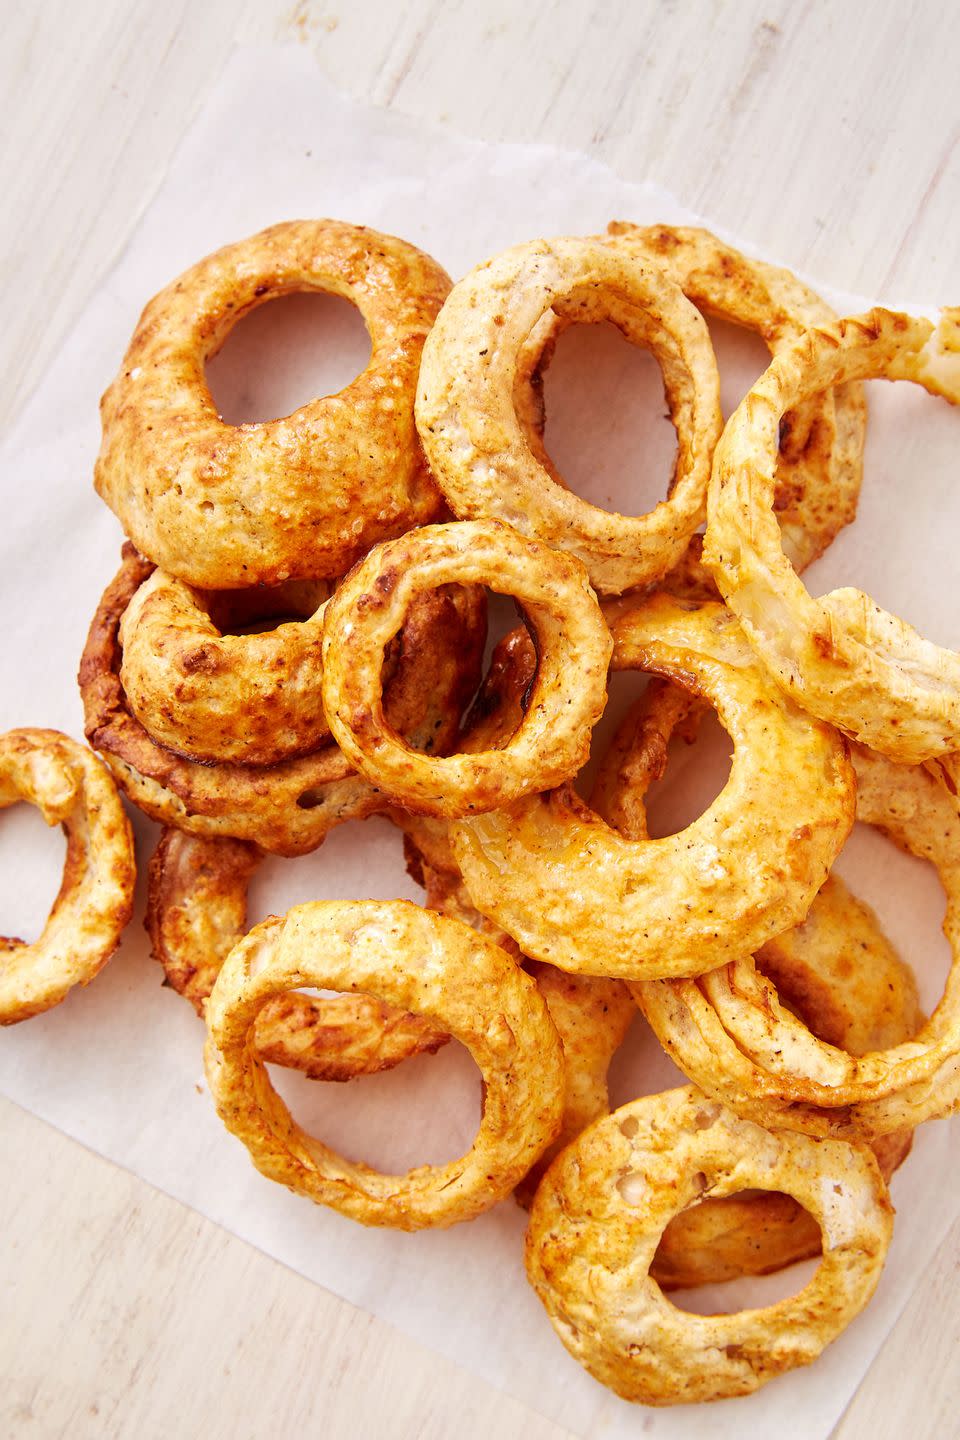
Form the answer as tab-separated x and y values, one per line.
223	506
480	448
197	912
599	1214
418	961
841	657
566	699
70	787
820	460
730	1033
574	893
837	970
288	808
244	699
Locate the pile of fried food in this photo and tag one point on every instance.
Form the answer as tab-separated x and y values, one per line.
296	637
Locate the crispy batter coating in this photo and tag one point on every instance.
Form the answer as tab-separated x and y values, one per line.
566	698
197	912
732	1034
419	961
836	969
70	788
820	461
482	444
223	506
599	1214
574	893
246	699
287	808
841	657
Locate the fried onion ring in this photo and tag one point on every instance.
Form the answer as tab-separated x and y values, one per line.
197	912
418	961
243	699
841	657
223	506
837	970
574	893
288	808
480	447
598	1217
731	1034
71	788
568	692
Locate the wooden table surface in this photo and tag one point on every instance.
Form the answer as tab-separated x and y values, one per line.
826	132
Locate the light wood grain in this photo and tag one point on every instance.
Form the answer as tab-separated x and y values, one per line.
829	134
171	1327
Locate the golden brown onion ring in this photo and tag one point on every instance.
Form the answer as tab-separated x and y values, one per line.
599	1214
730	1032
197	912
841	657
574	893
288	808
244	699
480	447
71	788
223	506
566	699
418	961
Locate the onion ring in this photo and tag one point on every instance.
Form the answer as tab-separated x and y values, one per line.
479	447
415	960
71	788
197	912
568	693
837	970
730	1033
223	506
242	699
574	893
841	657
288	808
599	1214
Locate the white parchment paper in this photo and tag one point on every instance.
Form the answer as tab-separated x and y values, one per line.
118	1066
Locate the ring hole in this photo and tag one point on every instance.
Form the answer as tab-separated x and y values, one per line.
733	1235
699	759
607	430
32	856
363	859
909	904
742	358
912	441
425	1111
285	354
696	773
262	608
